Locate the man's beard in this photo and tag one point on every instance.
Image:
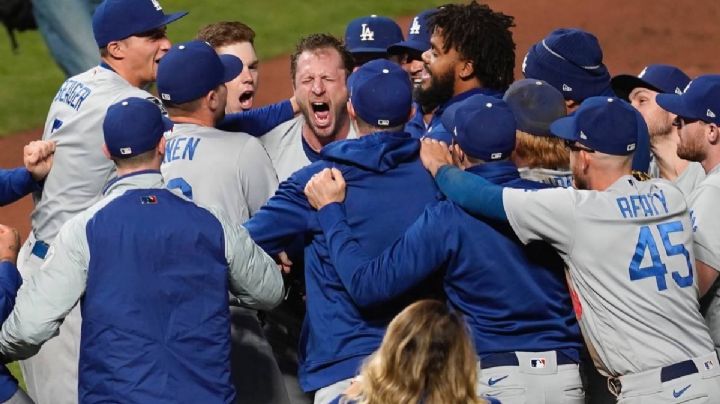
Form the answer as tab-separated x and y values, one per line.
440	91
690	151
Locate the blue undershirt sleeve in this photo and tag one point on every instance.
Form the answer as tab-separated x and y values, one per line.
14	184
474	194
258	121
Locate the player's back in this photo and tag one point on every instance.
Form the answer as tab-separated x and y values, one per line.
632	266
80	170
230	171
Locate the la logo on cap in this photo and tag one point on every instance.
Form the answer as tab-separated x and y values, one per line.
566	87
366	33
415	27
156	4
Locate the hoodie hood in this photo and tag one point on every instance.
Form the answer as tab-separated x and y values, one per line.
376	152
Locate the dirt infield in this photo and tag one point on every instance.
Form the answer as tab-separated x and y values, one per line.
632	34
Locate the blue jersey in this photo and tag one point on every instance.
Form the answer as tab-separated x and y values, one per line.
388	188
436	130
514	298
14	184
258	121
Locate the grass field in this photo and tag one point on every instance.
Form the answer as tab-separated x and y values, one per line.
29	79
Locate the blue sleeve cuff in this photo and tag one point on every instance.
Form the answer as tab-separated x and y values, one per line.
330	215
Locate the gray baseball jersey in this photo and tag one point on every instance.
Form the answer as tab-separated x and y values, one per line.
229	171
687	181
556	178
631	263
706	221
284	144
80	170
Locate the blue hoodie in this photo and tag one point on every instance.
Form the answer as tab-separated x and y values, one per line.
513	297
388	188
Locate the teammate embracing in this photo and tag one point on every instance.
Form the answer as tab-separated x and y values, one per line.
628	247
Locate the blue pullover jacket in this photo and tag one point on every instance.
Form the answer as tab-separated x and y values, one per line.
513	298
388	189
10	282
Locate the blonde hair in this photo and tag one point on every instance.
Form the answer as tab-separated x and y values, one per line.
426	356
541	151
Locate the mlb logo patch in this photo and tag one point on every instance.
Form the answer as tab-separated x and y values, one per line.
537	363
149	200
125	150
709	365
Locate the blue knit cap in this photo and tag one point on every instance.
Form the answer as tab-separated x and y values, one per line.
570	60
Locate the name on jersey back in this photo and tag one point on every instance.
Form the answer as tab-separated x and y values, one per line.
181	148
648	205
73	93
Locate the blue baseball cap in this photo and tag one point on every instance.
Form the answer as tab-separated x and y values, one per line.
371	34
700	100
418	38
570	60
114	20
381	93
134	126
605	124
191	69
665	79
535	104
483	126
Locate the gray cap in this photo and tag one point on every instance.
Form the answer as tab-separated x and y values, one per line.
535	104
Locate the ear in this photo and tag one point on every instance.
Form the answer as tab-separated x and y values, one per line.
161	146
571	106
351	110
106	152
116	49
212	99
712	134
467	69
585	160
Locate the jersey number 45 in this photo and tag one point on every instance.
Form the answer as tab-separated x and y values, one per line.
646	242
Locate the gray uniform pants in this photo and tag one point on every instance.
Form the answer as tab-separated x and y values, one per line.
537	379
700	387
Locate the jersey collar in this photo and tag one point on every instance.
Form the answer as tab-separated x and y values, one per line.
138	179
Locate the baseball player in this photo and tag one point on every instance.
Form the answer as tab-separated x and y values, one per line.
538	155
367	38
18	182
628	247
237	39
698	122
319	67
528	339
472	52
385	174
153	270
131	37
408	54
641	91
571	60
230	171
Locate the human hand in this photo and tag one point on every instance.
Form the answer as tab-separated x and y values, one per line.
284	262
9	244
38	158
435	154
325	187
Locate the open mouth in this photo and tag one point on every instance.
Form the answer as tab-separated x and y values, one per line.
321	113
246	99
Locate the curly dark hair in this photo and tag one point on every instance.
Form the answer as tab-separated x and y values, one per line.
481	36
314	42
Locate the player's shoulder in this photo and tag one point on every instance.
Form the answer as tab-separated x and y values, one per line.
284	132
708	190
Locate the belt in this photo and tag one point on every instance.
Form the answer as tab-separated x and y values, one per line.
667	373
40	249
510	359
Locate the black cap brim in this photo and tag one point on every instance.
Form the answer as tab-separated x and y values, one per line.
624	84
